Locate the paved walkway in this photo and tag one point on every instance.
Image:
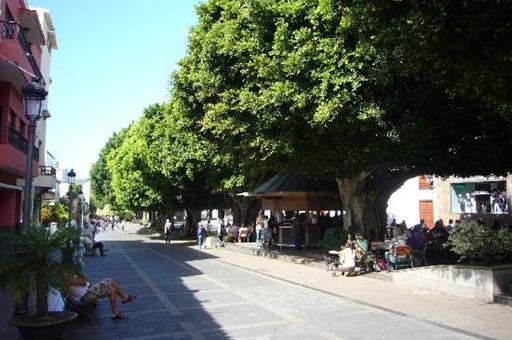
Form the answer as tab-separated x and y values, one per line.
185	293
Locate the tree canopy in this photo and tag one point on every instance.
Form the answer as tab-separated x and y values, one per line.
100	175
369	93
356	90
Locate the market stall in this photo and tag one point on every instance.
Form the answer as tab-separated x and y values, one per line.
292	192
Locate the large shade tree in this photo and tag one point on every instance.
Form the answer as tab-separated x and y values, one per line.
100	175
135	185
370	93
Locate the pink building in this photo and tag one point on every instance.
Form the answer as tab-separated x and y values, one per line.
21	40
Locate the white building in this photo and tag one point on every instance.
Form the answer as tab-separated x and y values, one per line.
432	198
46	180
415	200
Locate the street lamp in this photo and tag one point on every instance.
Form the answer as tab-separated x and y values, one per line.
33	97
71	180
81	198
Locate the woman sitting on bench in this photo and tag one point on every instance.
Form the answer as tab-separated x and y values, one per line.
82	292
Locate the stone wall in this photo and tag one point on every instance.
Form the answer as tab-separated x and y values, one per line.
474	282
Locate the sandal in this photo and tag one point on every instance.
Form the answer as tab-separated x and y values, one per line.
131	297
119	316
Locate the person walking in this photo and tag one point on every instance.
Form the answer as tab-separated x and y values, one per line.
260	222
201	235
167	230
266	236
221	231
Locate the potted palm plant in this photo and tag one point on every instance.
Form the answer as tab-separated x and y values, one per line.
35	265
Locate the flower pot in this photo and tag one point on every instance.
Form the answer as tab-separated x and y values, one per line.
50	327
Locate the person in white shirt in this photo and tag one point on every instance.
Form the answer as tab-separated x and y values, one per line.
348	260
167	231
265	231
260	221
82	292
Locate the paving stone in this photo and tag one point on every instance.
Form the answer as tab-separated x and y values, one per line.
186	293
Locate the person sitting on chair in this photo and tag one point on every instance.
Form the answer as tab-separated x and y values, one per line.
361	246
82	292
90	243
397	240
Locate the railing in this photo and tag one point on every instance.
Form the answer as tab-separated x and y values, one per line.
17	140
28	53
7	29
3	134
46	170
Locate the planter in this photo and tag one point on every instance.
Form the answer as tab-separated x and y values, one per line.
468	281
53	326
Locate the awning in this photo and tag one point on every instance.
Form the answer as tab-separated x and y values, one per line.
477	179
29	22
291	182
293	191
10	72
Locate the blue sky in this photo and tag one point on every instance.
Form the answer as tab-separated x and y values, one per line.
114	58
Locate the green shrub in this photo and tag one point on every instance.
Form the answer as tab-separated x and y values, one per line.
475	242
336	237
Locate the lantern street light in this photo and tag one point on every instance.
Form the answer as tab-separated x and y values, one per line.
81	200
33	97
71	180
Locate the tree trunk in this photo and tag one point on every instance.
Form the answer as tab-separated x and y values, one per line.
244	209
352	192
41	295
365	199
252	211
193	218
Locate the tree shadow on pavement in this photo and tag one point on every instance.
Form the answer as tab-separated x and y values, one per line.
174	299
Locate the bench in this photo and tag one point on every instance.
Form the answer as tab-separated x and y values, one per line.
290	245
89	250
86	311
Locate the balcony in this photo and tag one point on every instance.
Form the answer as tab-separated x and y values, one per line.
7	29
47	177
9	135
15	56
15	139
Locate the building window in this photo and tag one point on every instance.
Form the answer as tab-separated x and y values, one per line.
426	182
479	197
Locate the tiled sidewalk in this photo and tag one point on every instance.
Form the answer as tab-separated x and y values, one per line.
473	318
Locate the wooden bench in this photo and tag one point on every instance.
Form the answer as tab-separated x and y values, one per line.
86	311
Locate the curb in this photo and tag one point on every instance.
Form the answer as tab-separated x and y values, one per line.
275	255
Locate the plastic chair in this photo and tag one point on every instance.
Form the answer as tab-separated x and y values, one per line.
243	233
403	257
